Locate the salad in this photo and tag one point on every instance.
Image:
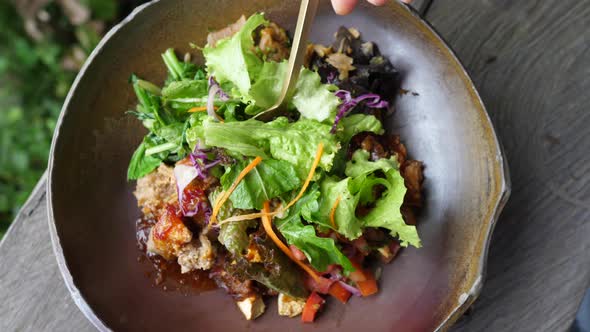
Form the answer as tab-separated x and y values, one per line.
302	207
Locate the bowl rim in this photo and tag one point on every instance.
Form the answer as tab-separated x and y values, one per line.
501	175
500	170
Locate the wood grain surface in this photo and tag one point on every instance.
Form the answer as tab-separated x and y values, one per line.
32	292
531	63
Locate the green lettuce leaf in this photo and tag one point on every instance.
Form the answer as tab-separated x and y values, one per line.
185	89
360	165
268	180
179	70
195	131
320	251
313	99
354	124
267	88
295	142
232	235
345	215
233	59
140	164
357	188
386	212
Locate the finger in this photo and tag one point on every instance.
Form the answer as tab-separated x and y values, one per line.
343	7
407	1
378	2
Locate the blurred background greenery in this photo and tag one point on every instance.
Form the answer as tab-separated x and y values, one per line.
43	44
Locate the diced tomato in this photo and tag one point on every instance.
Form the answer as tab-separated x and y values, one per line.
322	285
364	280
339	292
367	287
312	306
298	254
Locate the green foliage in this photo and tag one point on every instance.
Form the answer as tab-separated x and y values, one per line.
33	86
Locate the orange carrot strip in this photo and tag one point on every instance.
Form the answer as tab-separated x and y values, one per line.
245	217
201	109
225	195
267	224
316	161
250	216
333	211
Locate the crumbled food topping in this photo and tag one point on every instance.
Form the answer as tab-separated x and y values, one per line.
354	32
155	190
230	30
322	50
342	62
274	43
197	256
368	48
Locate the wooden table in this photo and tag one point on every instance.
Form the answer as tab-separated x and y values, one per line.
531	63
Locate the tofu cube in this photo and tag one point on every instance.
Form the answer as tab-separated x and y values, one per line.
251	307
290	306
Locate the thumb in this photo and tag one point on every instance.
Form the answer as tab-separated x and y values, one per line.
343	7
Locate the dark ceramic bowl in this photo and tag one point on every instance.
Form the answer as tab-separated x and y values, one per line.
92	209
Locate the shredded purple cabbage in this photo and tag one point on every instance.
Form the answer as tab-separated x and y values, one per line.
201	162
355	291
371	100
185	174
222	95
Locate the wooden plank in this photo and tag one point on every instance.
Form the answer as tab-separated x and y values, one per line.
34	297
421	5
531	63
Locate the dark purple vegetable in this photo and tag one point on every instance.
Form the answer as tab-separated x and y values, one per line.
348	103
350	288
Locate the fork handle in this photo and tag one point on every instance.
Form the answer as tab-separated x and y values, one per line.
307	13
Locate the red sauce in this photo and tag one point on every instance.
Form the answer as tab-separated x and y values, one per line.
166	224
166	274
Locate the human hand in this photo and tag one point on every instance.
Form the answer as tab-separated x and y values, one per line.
344	7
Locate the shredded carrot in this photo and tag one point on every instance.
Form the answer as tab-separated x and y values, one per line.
201	109
245	217
225	195
316	161
333	211
267	224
